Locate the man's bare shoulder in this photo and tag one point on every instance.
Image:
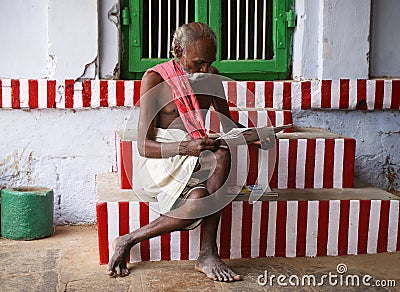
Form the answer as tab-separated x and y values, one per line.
151	79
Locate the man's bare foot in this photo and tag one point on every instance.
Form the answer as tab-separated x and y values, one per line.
117	265
216	269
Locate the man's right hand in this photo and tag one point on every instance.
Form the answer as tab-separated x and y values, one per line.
196	146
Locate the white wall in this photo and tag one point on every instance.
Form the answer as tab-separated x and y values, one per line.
62	150
385	38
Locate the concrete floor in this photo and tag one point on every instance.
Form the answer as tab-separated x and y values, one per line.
68	261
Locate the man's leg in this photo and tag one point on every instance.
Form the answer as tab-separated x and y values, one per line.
175	220
209	261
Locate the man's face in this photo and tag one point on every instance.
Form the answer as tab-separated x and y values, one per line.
199	57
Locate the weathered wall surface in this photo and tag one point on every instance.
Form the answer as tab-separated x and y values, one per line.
60	149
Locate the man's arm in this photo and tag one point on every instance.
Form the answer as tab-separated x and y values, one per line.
150	90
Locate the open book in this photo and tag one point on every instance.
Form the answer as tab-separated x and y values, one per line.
239	136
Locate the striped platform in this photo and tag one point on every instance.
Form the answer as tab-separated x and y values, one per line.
350	94
297	223
305	158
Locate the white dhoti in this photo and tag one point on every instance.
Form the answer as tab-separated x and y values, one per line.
168	179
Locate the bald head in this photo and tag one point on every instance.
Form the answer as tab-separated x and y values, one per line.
188	34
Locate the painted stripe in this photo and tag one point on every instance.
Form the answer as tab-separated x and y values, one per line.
280	239
328	163
155	242
343	227
302	229
86	93
305	95
283	163
112	90
236	230
33	94
259	95
242	161
361	94
348	162
291	228
287	96
264	229
194	243
134	224
395	104
310	163
104	93
326	96
128	93
246	228
77	95
379	94
338	163
373	226
255	229
371	94
226	223
278	95
185	244
279	118
250	94
344	93
126	167
41	93
363	226
319	163
335	94
113	225
102	231
353	226
387	96
120	93
312	228
353	94
292	163
382	244
165	242
393	230
323	227
15	94
69	93
272	214
333	228
253	164
23	93
123	218
269	94
144	220
273	164
301	163
175	253
51	94
241	94
136	93
232	94
262	177
315	94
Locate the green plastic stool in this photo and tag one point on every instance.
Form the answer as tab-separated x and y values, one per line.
27	213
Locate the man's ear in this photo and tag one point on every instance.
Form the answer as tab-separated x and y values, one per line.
178	51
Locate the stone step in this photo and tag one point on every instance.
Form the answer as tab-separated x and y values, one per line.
303	158
296	223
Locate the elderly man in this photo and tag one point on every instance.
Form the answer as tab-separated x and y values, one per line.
176	151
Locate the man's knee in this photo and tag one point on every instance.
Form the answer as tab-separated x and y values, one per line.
223	158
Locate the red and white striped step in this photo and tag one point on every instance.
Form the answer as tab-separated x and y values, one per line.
351	94
299	223
305	158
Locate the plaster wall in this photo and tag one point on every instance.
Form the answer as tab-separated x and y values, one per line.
23	25
62	150
385	38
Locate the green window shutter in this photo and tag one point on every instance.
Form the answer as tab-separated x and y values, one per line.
264	63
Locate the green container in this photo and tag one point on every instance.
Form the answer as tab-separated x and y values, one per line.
26	213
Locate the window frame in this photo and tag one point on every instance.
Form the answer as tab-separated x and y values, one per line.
209	11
